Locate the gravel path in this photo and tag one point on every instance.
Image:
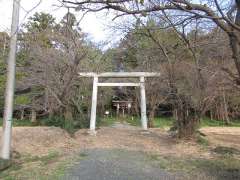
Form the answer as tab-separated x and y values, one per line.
103	164
125	125
115	164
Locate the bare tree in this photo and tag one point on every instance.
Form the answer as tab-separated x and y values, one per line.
183	11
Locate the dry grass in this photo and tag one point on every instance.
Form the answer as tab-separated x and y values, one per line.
41	140
223	136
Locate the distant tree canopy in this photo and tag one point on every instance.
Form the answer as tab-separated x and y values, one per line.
4	49
50	54
40	22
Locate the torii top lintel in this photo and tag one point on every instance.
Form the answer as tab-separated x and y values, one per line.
120	74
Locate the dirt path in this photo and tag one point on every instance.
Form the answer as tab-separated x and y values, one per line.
117	164
102	164
123	154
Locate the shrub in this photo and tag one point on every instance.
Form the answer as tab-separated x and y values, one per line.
69	125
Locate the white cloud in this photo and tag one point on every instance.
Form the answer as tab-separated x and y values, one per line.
92	24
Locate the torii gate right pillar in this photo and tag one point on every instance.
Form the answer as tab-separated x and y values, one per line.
143	104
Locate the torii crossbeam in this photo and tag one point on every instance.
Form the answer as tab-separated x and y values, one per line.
141	84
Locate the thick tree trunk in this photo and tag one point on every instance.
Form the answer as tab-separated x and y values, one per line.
136	107
186	125
69	121
235	46
151	117
68	114
187	121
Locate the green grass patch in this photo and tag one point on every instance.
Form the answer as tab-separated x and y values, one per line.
159	122
4	164
51	156
162	122
134	121
225	167
207	122
83	155
17	122
47	167
165	122
106	121
202	141
46	159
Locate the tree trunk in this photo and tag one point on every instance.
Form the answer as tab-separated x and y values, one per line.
187	121
68	119
151	117
68	114
22	114
226	117
136	107
211	115
234	44
33	116
175	114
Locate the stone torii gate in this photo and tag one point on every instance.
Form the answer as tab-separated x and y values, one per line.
141	84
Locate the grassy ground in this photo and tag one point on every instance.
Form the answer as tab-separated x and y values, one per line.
53	167
48	167
206	122
17	122
224	163
165	122
159	122
220	168
107	121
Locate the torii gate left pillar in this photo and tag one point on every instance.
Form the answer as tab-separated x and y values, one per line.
94	104
140	75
